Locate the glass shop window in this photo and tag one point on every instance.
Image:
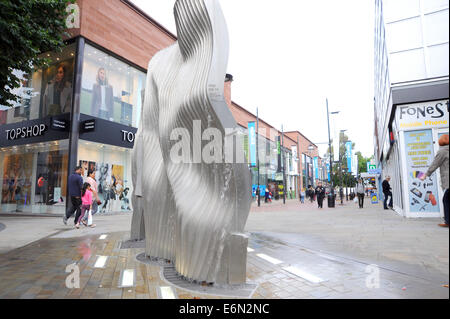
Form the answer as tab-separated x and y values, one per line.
34	178
111	89
45	92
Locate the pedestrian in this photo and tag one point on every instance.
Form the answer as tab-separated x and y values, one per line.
441	161
94	189
360	190
320	193
266	195
86	205
75	184
302	195
311	193
387	192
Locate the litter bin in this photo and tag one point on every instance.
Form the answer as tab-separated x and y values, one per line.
331	200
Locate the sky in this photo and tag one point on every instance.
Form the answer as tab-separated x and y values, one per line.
288	56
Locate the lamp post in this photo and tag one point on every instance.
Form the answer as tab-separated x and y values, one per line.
283	164
329	148
299	170
341	191
258	191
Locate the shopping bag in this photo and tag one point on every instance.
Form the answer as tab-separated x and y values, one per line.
90	218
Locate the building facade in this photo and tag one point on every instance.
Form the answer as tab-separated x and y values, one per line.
84	109
411	99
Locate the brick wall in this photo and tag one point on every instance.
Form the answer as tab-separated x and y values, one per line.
118	27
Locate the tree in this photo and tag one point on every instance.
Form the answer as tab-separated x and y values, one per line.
28	28
362	162
339	177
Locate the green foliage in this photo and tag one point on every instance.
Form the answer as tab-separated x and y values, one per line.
362	162
28	28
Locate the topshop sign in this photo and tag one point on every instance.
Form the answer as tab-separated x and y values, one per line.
25	132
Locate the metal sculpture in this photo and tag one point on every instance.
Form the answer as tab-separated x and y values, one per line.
191	202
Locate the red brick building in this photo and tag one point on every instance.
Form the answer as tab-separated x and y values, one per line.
103	71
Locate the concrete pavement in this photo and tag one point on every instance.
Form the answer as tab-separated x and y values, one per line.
296	251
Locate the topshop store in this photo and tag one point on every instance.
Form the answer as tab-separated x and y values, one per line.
80	109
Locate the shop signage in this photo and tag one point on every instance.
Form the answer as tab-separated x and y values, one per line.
128	136
25	132
88	126
423	115
59	124
419	152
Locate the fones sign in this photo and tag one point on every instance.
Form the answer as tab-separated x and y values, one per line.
25	132
423	115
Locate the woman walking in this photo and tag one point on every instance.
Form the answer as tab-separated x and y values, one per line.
94	189
441	161
86	204
360	191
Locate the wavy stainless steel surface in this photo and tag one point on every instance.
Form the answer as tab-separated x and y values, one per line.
192	212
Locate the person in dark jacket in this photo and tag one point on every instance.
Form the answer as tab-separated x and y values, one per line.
387	192
320	193
75	187
102	97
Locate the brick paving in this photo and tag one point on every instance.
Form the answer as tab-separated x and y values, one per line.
38	270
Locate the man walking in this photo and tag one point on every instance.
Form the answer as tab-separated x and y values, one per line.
320	193
387	192
360	189
75	186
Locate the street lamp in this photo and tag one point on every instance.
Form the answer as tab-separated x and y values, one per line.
341	190
329	148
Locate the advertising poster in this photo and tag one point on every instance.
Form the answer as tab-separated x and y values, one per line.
17	172
423	196
316	167
252	142
348	148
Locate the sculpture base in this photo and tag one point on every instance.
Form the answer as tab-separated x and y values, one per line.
132	244
154	261
170	275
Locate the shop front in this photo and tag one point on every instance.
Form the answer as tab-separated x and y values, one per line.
81	109
420	125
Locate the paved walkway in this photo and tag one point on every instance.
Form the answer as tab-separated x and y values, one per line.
296	251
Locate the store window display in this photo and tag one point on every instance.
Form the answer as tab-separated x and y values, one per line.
111	89
34	178
112	174
46	92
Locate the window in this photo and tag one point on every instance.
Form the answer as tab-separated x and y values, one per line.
34	178
112	173
111	89
45	92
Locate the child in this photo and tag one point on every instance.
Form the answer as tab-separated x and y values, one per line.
86	203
